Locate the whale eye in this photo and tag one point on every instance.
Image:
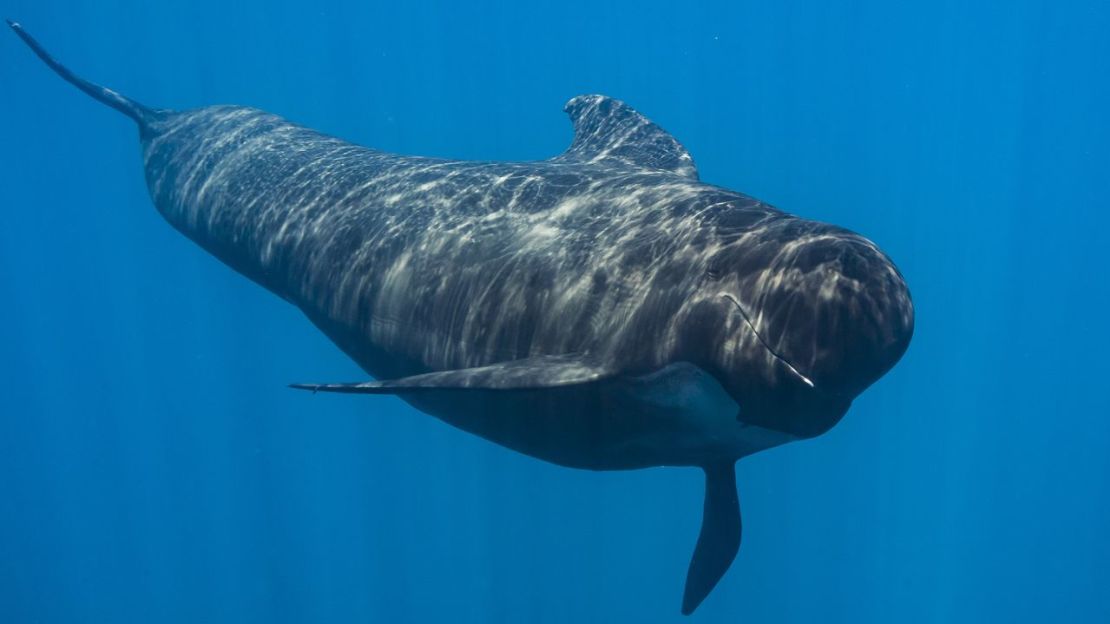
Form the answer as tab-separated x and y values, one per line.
713	273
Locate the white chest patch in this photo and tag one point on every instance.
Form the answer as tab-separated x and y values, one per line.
691	418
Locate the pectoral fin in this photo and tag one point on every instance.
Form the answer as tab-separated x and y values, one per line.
719	538
549	371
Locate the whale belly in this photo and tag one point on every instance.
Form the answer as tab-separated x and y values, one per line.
678	416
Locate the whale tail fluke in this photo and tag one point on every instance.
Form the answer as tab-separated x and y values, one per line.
141	114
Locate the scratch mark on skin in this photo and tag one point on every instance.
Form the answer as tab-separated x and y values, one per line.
770	350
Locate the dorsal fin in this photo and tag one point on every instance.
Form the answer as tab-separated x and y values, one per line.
609	131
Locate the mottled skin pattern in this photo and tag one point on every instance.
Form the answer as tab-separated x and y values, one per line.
413	265
602	309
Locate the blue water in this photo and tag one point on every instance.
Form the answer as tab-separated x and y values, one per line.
154	468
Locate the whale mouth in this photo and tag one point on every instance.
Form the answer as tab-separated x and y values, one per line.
775	354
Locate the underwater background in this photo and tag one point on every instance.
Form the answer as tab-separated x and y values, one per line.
155	468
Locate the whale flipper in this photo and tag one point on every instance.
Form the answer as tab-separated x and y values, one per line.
541	372
607	130
141	114
719	539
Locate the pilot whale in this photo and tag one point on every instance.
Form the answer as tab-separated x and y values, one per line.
603	309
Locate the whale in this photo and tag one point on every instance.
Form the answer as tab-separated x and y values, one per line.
603	309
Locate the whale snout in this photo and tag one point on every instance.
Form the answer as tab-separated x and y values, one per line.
837	310
824	314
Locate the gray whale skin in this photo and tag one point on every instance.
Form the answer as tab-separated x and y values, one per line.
602	309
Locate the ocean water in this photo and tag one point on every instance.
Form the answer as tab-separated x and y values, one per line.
155	468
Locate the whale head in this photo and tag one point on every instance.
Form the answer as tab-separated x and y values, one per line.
813	314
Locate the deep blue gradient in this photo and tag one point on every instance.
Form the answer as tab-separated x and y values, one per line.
154	468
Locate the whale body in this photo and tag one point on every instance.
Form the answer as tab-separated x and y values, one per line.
603	309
